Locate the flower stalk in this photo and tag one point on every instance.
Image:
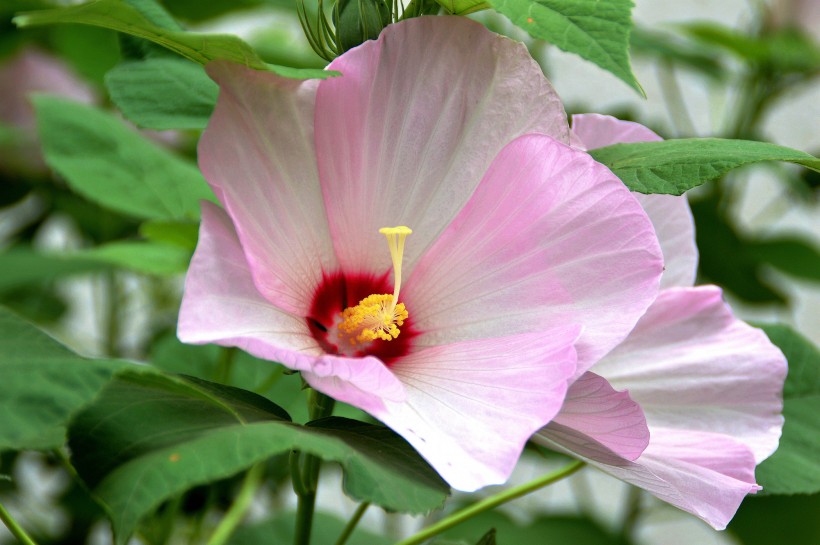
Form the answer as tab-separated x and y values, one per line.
491	502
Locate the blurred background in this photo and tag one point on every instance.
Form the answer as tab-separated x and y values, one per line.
107	283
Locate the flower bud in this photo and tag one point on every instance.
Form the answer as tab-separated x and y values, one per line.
359	20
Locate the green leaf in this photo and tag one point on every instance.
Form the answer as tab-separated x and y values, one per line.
794	256
669	48
23	266
463	7
200	48
488	539
179	233
163	93
112	165
744	274
142	257
326	531
675	166
171	434
793	468
764	520
597	31
784	51
544	529
44	384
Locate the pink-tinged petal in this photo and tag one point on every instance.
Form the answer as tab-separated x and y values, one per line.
692	366
670	215
549	238
675	228
706	474
258	155
598	131
221	305
595	414
405	135
471	406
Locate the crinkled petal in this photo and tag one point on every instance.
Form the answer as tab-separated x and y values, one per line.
595	414
258	155
549	238
670	215
221	305
405	135
692	366
702	473
471	406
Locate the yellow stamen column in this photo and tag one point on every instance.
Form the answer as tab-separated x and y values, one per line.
379	316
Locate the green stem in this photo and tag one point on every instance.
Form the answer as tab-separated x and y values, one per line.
320	407
489	503
351	524
240	506
631	514
15	529
112	315
272	379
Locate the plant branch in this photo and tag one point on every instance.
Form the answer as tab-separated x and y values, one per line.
15	529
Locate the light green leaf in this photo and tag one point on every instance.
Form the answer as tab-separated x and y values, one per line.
163	93
463	7
112	165
179	233
675	166
201	48
794	468
171	434
142	257
43	385
597	31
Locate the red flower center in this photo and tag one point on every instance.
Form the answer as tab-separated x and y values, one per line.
339	291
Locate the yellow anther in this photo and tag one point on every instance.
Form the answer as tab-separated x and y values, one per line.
379	316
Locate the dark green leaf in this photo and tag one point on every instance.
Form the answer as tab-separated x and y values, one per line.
326	530
795	256
43	385
794	468
170	435
114	166
545	529
163	93
740	272
675	166
765	520
488	539
597	31
201	48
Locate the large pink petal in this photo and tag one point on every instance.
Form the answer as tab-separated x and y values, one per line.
258	155
670	215
405	135
222	305
549	238
471	406
692	366
595	414
706	474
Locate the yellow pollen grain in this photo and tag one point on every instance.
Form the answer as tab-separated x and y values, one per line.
379	316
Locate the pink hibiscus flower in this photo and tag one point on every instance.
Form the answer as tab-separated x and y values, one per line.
527	260
704	403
